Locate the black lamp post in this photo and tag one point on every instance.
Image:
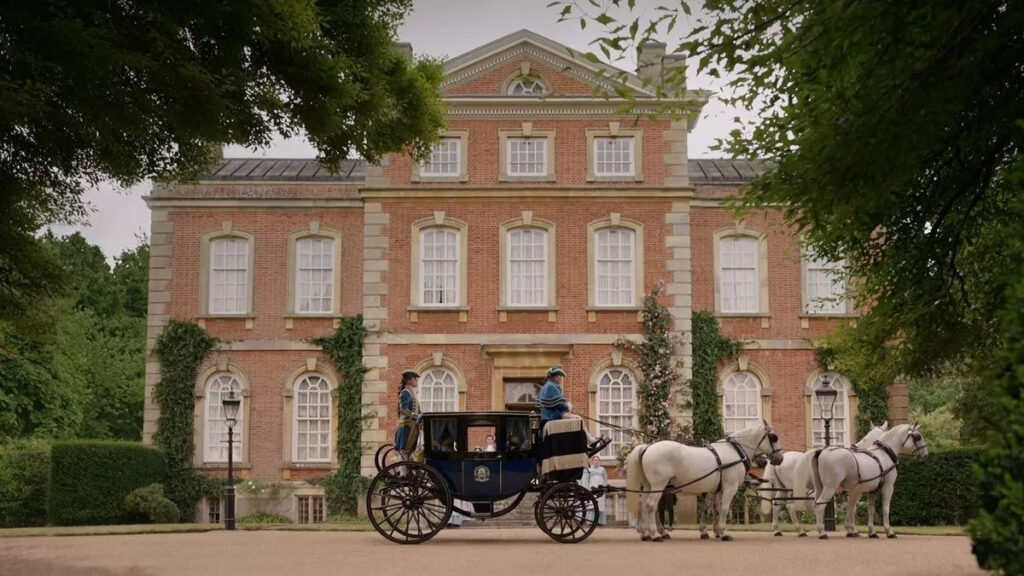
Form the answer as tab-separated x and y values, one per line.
826	396
232	402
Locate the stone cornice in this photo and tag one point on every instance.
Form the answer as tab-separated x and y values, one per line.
249	203
507	192
580	107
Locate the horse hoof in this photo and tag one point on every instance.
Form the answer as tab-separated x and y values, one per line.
853	534
873	535
666	537
823	537
802	535
705	537
778	533
656	539
726	538
645	538
892	535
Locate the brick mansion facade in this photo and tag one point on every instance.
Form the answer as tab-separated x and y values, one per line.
528	239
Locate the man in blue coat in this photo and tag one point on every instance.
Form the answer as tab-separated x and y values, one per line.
553	406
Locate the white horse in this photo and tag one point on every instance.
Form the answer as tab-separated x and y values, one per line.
792	479
717	468
856	471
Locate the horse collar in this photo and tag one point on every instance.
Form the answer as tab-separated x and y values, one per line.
740	452
888	451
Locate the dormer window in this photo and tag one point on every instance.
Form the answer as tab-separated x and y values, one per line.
525	86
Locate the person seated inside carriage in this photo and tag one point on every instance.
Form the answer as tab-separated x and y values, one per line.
553	406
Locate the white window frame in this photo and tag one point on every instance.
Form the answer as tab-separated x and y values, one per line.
840	413
598	260
454	146
625	417
538	88
215	273
730	385
724	271
438	380
511	277
630	152
323	394
835	302
329	271
457	280
540	161
215	423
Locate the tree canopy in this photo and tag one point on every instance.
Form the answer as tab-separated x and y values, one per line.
896	132
152	88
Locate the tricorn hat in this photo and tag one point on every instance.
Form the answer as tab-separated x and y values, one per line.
410	374
556	371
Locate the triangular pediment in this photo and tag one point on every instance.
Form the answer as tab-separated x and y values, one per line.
481	71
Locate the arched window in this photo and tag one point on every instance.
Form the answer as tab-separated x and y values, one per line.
840	425
527	267
616	405
439	266
525	86
615	267
312	440
741	401
216	449
438	391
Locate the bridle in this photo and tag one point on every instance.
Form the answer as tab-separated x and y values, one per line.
769	435
919	443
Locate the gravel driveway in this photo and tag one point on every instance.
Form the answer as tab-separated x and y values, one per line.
483	552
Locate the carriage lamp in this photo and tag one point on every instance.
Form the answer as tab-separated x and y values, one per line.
231	403
826	395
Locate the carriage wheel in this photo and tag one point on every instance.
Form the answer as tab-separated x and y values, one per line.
383	457
567	512
408	503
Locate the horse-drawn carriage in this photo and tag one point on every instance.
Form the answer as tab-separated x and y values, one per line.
409	501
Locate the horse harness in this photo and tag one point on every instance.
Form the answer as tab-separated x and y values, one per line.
720	467
882	470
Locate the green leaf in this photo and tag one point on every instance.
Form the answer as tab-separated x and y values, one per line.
604	19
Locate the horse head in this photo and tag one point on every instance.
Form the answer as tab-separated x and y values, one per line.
915	444
774	448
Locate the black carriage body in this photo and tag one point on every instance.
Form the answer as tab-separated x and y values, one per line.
476	475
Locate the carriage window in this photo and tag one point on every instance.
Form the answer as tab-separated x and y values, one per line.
443	434
482	438
517	433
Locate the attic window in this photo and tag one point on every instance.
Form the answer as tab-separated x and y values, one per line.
525	86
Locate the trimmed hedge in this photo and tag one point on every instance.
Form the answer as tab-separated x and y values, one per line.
939	490
24	477
89	480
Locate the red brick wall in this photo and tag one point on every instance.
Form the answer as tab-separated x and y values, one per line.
270	229
570	152
490	83
484	220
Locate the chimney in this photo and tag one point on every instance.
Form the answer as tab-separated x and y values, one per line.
404	48
648	61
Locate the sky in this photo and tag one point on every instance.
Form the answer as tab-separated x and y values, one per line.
440	28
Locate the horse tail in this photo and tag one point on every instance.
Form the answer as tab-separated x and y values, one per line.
769	476
816	474
635	479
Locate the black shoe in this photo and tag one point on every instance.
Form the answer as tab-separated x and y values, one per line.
598	446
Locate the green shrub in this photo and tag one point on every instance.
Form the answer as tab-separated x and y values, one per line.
938	490
264	518
149	506
24	476
89	480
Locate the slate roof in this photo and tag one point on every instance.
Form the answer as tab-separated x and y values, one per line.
286	169
725	171
702	170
